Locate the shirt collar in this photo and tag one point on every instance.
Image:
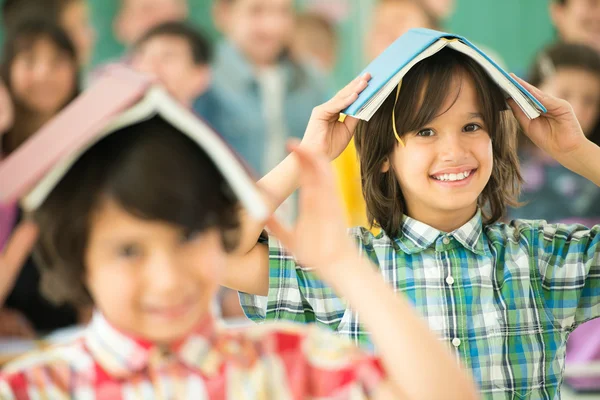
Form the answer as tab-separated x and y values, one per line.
122	355
416	236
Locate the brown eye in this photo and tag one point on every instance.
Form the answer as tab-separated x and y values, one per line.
471	128
129	251
425	132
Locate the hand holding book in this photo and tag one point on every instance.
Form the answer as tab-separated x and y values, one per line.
557	131
559	134
325	132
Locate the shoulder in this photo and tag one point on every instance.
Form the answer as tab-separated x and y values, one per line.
55	366
537	230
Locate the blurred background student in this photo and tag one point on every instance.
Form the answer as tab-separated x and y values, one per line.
40	69
71	15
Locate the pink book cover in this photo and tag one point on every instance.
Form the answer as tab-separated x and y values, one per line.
76	125
31	171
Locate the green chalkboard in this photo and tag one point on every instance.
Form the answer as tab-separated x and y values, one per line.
515	29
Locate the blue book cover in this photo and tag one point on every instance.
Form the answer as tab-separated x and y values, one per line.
404	50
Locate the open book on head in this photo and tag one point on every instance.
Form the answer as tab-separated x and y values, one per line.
388	69
118	99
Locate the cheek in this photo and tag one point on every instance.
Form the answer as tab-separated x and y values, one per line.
208	268
409	164
19	81
66	80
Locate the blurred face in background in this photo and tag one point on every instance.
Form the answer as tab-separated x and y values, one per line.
136	17
7	112
75	20
43	77
581	89
578	21
261	29
391	19
439	9
169	58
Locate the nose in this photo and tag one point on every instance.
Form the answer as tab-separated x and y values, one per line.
452	147
163	276
42	71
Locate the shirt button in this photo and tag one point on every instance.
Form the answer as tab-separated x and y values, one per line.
446	240
456	342
449	280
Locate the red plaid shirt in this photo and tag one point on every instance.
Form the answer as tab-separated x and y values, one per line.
278	361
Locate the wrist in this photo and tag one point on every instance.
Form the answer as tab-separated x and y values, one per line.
344	261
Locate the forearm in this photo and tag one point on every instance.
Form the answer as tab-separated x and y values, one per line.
248	266
8	276
415	360
584	161
276	186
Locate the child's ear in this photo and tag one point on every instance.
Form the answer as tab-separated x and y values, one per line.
385	166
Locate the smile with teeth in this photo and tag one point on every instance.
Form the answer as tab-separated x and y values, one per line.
453	177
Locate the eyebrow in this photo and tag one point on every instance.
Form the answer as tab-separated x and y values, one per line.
474	115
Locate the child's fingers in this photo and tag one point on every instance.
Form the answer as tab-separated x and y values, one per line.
541	96
283	234
552	104
19	246
358	83
344	98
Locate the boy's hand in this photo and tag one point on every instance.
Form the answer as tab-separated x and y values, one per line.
324	132
319	239
557	132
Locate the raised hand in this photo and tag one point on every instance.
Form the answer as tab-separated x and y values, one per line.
557	132
325	132
319	238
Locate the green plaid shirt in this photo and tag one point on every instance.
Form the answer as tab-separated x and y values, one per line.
504	297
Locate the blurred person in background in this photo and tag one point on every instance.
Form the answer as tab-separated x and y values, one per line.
315	42
550	191
265	95
40	69
390	20
577	21
439	10
179	56
136	17
71	15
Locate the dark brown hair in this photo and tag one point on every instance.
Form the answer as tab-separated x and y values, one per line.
433	79
14	11
152	171
199	44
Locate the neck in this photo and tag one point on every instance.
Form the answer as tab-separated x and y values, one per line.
442	220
